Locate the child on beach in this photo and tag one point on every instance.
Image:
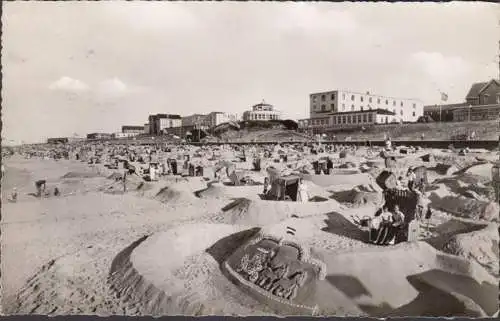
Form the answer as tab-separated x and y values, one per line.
266	185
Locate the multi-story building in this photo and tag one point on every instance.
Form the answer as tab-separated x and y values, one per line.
262	111
216	118
133	130
327	103
158	123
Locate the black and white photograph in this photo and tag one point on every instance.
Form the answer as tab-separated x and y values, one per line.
185	158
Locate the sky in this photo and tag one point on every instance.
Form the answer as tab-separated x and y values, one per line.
80	67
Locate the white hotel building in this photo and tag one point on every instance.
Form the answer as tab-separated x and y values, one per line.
342	109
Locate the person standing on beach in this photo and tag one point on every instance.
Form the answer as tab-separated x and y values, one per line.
302	193
411	178
266	185
39	189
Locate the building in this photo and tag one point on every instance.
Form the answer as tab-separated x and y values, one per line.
124	135
327	103
484	93
146	129
442	112
58	140
98	136
349	119
192	120
481	103
262	111
216	118
476	113
133	130
158	123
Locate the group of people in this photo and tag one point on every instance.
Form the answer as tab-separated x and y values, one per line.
385	226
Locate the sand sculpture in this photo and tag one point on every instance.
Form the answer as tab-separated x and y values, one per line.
277	272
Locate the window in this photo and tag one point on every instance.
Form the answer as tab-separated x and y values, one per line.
361	98
413	114
334	120
349	120
344	119
378	100
364	118
343	96
352	97
370	99
401	104
361	108
354	119
332	96
394	103
323	97
352	107
343	107
359	118
401	112
414	105
370	118
332	106
314	98
323	107
387	103
370	108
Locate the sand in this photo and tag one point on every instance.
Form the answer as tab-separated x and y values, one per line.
157	248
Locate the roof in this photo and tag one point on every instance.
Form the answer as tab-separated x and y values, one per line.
171	116
379	111
479	87
132	127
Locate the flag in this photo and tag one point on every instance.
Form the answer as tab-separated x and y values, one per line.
444	97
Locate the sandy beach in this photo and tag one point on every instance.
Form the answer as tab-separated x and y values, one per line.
96	250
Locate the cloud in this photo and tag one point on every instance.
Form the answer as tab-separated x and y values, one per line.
68	84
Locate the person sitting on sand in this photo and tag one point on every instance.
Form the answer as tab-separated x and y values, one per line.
56	192
399	183
302	193
13	196
398	218
385	222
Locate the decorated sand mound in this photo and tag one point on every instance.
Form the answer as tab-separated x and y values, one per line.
244	211
221	269
187	281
